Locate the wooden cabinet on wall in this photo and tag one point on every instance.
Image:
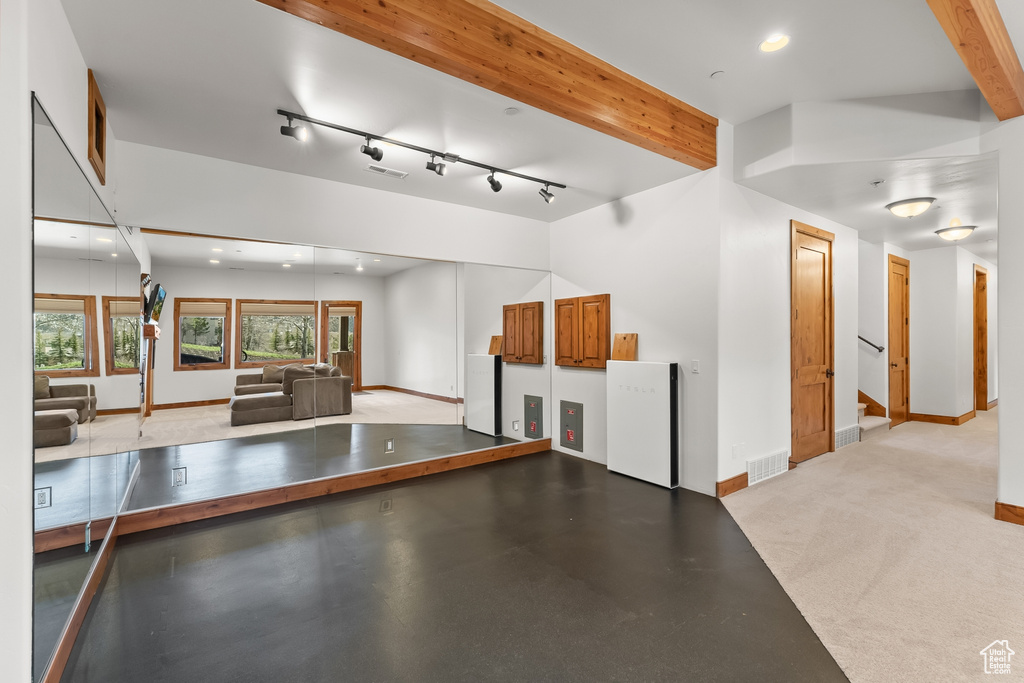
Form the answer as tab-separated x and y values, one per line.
523	333
583	331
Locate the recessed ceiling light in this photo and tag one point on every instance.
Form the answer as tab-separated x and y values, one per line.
114	255
908	208
774	43
511	111
376	260
216	249
286	265
213	260
104	239
297	255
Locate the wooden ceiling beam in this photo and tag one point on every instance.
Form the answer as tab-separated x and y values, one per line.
486	45
977	31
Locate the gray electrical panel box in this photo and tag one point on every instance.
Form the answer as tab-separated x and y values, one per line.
571	425
533	413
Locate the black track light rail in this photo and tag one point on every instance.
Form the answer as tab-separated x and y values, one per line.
424	150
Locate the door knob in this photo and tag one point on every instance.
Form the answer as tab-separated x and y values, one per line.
829	373
893	365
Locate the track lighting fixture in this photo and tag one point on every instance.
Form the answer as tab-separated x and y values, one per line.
438	167
375	153
300	133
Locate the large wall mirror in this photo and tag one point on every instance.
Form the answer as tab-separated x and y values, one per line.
263	365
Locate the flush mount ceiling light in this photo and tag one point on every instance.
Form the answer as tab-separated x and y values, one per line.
437	167
213	260
300	133
494	183
908	208
774	43
955	231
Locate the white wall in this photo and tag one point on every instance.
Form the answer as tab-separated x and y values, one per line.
16	280
965	328
872	368
186	192
203	385
487	290
933	332
420	325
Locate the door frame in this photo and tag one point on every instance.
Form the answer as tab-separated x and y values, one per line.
796	227
357	337
980	338
899	260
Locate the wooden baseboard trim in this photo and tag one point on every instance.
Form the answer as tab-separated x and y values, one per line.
192	404
72	534
942	419
435	397
1014	514
72	627
145	520
874	408
117	411
732	485
992	404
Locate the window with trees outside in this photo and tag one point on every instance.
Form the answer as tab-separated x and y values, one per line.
274	332
122	334
340	333
65	335
202	339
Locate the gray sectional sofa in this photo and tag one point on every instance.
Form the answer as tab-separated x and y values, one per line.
290	392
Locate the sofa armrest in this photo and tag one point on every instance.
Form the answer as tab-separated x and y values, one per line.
249	378
321	396
69	390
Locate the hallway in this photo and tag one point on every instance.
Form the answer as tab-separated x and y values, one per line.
889	549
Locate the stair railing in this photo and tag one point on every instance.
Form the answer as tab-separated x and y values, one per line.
874	346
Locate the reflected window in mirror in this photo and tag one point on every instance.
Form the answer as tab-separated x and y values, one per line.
274	332
65	335
341	337
202	334
122	335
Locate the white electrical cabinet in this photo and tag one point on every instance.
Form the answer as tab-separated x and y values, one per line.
643	421
483	393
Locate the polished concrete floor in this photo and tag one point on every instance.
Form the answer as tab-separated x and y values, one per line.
82	488
544	567
58	577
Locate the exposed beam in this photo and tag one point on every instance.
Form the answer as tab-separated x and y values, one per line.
977	31
484	44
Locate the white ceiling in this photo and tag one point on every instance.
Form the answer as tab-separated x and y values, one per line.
207	78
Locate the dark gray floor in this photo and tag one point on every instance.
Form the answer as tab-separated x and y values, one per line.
251	463
544	567
58	577
82	488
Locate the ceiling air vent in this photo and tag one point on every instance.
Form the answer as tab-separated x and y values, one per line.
383	170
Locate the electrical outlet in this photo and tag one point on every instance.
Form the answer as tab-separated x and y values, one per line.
43	497
386	505
179	476
389	445
515	425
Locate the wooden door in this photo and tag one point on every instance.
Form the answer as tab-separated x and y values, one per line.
327	354
813	419
594	344
980	338
531	326
899	340
566	331
511	333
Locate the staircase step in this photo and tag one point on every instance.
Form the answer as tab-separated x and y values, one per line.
861	407
873	426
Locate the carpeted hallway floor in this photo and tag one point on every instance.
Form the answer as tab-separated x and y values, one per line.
890	550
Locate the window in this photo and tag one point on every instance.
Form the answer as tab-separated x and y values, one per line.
65	335
341	323
274	332
122	338
202	339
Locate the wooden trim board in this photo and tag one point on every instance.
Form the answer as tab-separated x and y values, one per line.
942	419
68	636
421	394
874	408
117	411
70	535
993	403
1009	513
156	518
732	485
489	46
192	404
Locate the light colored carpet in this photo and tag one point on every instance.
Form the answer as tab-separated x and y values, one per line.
890	550
118	433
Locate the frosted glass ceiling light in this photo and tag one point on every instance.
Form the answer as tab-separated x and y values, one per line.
955	231
908	208
774	43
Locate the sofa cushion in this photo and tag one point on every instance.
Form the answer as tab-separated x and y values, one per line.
54	419
245	389
292	373
274	374
257	401
41	387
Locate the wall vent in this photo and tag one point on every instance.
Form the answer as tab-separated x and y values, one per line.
767	467
845	437
384	170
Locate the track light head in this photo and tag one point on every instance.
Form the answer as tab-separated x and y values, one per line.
546	194
300	133
495	184
375	153
437	167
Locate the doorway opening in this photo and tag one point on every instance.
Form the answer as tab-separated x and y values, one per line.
341	338
899	340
